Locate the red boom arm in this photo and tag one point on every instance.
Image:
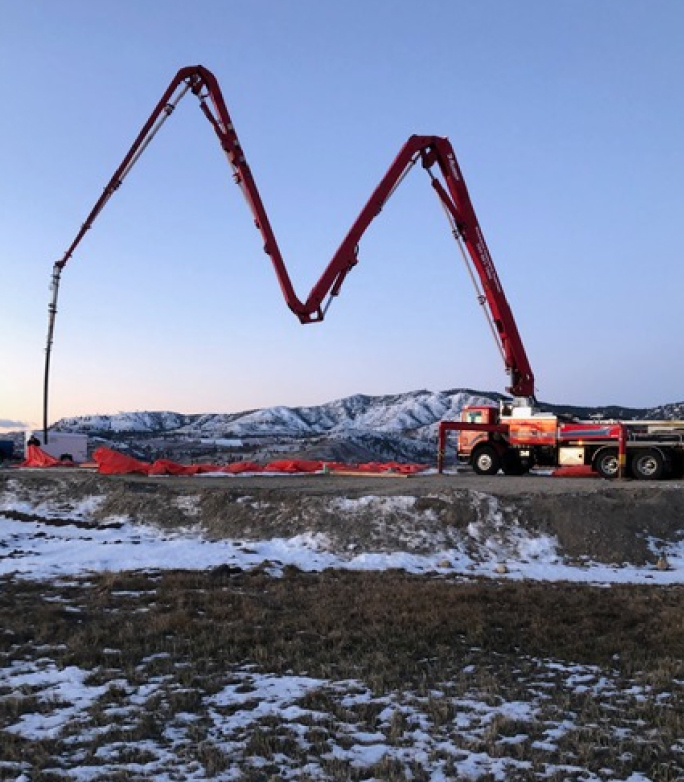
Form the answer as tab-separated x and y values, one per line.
430	150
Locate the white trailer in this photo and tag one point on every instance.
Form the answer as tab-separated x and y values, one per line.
62	445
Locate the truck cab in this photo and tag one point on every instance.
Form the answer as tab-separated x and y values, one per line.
511	438
468	439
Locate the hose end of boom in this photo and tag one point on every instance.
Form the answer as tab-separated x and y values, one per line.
52	312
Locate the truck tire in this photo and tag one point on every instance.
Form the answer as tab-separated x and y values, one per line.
648	464
606	462
486	460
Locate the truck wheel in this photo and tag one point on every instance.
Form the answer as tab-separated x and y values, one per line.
486	460
606	463
648	464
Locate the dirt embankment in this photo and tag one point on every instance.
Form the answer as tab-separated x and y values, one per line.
590	519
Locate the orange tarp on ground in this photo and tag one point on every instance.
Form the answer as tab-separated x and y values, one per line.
237	467
293	465
114	463
167	467
36	457
111	462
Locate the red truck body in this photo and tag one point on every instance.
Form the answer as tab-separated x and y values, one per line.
515	439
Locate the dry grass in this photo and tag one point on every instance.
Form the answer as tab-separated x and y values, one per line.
355	623
390	632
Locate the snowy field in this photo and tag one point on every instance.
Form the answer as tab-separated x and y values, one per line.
439	735
510	718
66	541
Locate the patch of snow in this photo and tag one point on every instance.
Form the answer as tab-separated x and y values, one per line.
63	689
188	504
378	504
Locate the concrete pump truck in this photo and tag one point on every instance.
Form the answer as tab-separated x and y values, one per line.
513	437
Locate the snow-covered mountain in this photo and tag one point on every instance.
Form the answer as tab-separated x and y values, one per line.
415	414
354	429
124	422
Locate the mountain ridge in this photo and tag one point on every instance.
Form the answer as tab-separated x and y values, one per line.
395	413
411	411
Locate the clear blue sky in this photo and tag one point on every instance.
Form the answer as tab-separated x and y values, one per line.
566	117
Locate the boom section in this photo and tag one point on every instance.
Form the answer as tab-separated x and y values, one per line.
430	151
467	229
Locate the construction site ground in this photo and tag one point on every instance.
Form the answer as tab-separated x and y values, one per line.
591	519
